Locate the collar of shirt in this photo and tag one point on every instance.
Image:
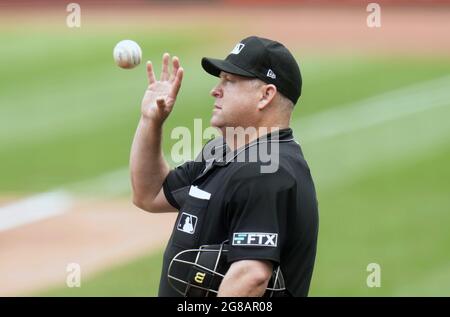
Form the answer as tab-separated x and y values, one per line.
278	135
222	156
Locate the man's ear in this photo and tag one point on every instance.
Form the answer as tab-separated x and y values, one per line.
268	92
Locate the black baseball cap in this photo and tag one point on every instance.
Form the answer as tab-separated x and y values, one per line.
257	57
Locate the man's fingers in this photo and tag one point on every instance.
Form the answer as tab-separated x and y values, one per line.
175	66
176	83
150	73
165	67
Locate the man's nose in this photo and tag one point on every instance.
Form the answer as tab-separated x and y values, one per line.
216	92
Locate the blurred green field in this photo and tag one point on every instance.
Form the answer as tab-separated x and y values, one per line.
69	114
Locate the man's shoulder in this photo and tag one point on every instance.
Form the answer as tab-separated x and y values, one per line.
258	172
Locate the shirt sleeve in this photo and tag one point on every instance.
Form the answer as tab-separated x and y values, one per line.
257	212
178	181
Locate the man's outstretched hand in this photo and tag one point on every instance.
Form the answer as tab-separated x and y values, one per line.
160	96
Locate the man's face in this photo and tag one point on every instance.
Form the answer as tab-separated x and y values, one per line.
236	100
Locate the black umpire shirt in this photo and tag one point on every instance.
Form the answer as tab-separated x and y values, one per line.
264	215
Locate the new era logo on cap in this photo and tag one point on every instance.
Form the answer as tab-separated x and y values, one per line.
237	49
271	74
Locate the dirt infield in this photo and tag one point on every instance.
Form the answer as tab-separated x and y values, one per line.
406	30
94	234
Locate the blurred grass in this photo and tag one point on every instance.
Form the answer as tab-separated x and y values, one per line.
68	114
396	217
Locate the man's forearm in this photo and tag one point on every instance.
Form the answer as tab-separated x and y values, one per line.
246	278
241	287
148	167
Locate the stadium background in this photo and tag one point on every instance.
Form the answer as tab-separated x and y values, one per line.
373	121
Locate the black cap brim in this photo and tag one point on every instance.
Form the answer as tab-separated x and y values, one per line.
214	66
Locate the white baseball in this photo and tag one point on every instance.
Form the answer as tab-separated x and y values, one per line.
127	54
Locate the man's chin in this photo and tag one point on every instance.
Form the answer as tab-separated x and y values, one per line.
215	123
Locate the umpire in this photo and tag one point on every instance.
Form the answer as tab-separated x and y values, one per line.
269	217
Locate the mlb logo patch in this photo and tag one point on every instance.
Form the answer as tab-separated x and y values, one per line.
187	223
237	49
261	239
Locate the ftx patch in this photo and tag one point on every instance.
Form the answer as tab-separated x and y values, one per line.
261	239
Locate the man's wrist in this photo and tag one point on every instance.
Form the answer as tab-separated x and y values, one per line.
152	122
